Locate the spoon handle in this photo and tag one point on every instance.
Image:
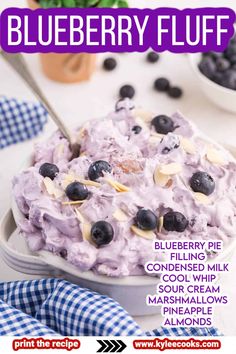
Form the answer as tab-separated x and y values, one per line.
18	63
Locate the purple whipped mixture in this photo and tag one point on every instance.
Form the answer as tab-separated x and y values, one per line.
134	155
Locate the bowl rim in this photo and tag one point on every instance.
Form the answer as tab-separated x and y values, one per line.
194	65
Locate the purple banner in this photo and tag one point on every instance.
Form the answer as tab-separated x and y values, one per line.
96	30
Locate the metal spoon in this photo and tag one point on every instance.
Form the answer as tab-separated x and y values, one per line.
18	63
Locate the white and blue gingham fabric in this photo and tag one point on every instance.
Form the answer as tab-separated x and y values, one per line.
57	307
19	120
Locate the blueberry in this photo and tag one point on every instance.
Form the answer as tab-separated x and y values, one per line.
207	67
231	50
146	220
102	233
229	79
162	84
49	170
97	169
175	92
222	64
63	253
153	57
136	129
163	124
213	55
109	64
218	78
175	221
77	191
127	91
233	59
202	182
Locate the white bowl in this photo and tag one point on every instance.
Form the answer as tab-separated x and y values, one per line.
221	96
130	291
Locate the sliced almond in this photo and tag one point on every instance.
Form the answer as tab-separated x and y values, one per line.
139	121
169	183
52	189
86	231
120	215
149	235
83	153
84	225
58	193
214	156
77	202
143	114
160	179
188	146
154	140
70	178
87	182
81	134
59	150
171	169
161	223
79	216
157	135
118	186
49	185
202	198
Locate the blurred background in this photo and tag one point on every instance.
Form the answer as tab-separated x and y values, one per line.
78	102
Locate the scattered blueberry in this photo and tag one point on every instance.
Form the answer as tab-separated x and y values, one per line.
136	129
213	55
77	191
146	220
102	233
208	67
97	169
109	64
221	67
162	84
49	170
229	79
202	182
175	221
231	50
222	64
127	91
163	124
175	92
218	77
153	57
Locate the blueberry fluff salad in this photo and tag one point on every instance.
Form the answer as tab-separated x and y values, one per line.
220	67
140	176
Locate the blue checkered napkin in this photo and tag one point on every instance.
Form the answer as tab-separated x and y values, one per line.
184	332
64	308
54	306
20	120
